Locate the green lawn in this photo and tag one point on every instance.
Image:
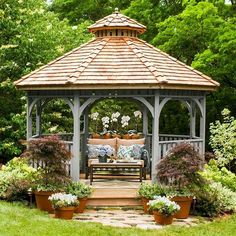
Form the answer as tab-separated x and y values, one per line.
21	221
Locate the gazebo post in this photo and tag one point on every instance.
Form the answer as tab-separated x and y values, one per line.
145	121
38	118
29	119
192	120
155	136
85	136
75	161
203	123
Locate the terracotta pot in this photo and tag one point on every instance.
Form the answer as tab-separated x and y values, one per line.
42	201
162	219
116	136
95	135
82	205
185	204
126	136
107	136
65	213
145	205
135	136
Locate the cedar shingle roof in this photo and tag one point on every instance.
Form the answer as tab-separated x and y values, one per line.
117	20
116	63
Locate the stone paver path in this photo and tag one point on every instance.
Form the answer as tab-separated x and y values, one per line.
128	218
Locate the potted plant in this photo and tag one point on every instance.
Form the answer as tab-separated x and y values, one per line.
179	169
64	205
51	155
82	191
147	192
163	210
95	117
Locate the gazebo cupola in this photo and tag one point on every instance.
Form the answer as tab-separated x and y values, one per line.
117	64
117	25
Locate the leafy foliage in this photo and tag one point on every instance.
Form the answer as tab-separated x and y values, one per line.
30	36
180	166
214	199
51	154
16	178
223	140
78	11
79	189
148	191
214	173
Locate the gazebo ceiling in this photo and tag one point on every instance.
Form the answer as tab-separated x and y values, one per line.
116	59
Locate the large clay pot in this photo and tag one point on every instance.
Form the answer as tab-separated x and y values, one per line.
65	213
145	204
185	204
162	219
42	201
82	205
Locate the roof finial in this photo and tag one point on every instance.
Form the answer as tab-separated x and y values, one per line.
116	10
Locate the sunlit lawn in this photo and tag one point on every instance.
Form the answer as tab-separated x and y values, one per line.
21	221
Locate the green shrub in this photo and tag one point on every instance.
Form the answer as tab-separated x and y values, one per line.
212	172
223	140
52	155
179	168
150	190
214	199
16	178
79	189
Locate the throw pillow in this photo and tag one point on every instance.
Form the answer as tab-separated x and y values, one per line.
125	152
100	150
137	151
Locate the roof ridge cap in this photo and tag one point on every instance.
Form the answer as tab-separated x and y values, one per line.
84	64
151	67
181	63
51	62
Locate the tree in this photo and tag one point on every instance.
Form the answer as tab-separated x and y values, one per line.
152	12
30	36
186	34
78	11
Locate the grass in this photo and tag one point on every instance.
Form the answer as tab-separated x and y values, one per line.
18	220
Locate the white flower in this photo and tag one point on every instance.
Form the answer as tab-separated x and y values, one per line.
94	116
75	27
138	114
105	120
125	121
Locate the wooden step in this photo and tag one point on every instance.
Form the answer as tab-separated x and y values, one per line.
114	197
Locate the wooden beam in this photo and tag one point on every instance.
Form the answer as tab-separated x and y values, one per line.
75	162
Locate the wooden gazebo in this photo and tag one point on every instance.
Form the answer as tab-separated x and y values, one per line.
117	64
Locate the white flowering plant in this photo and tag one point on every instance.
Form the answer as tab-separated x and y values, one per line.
95	117
59	200
105	123
138	117
125	121
114	119
163	205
